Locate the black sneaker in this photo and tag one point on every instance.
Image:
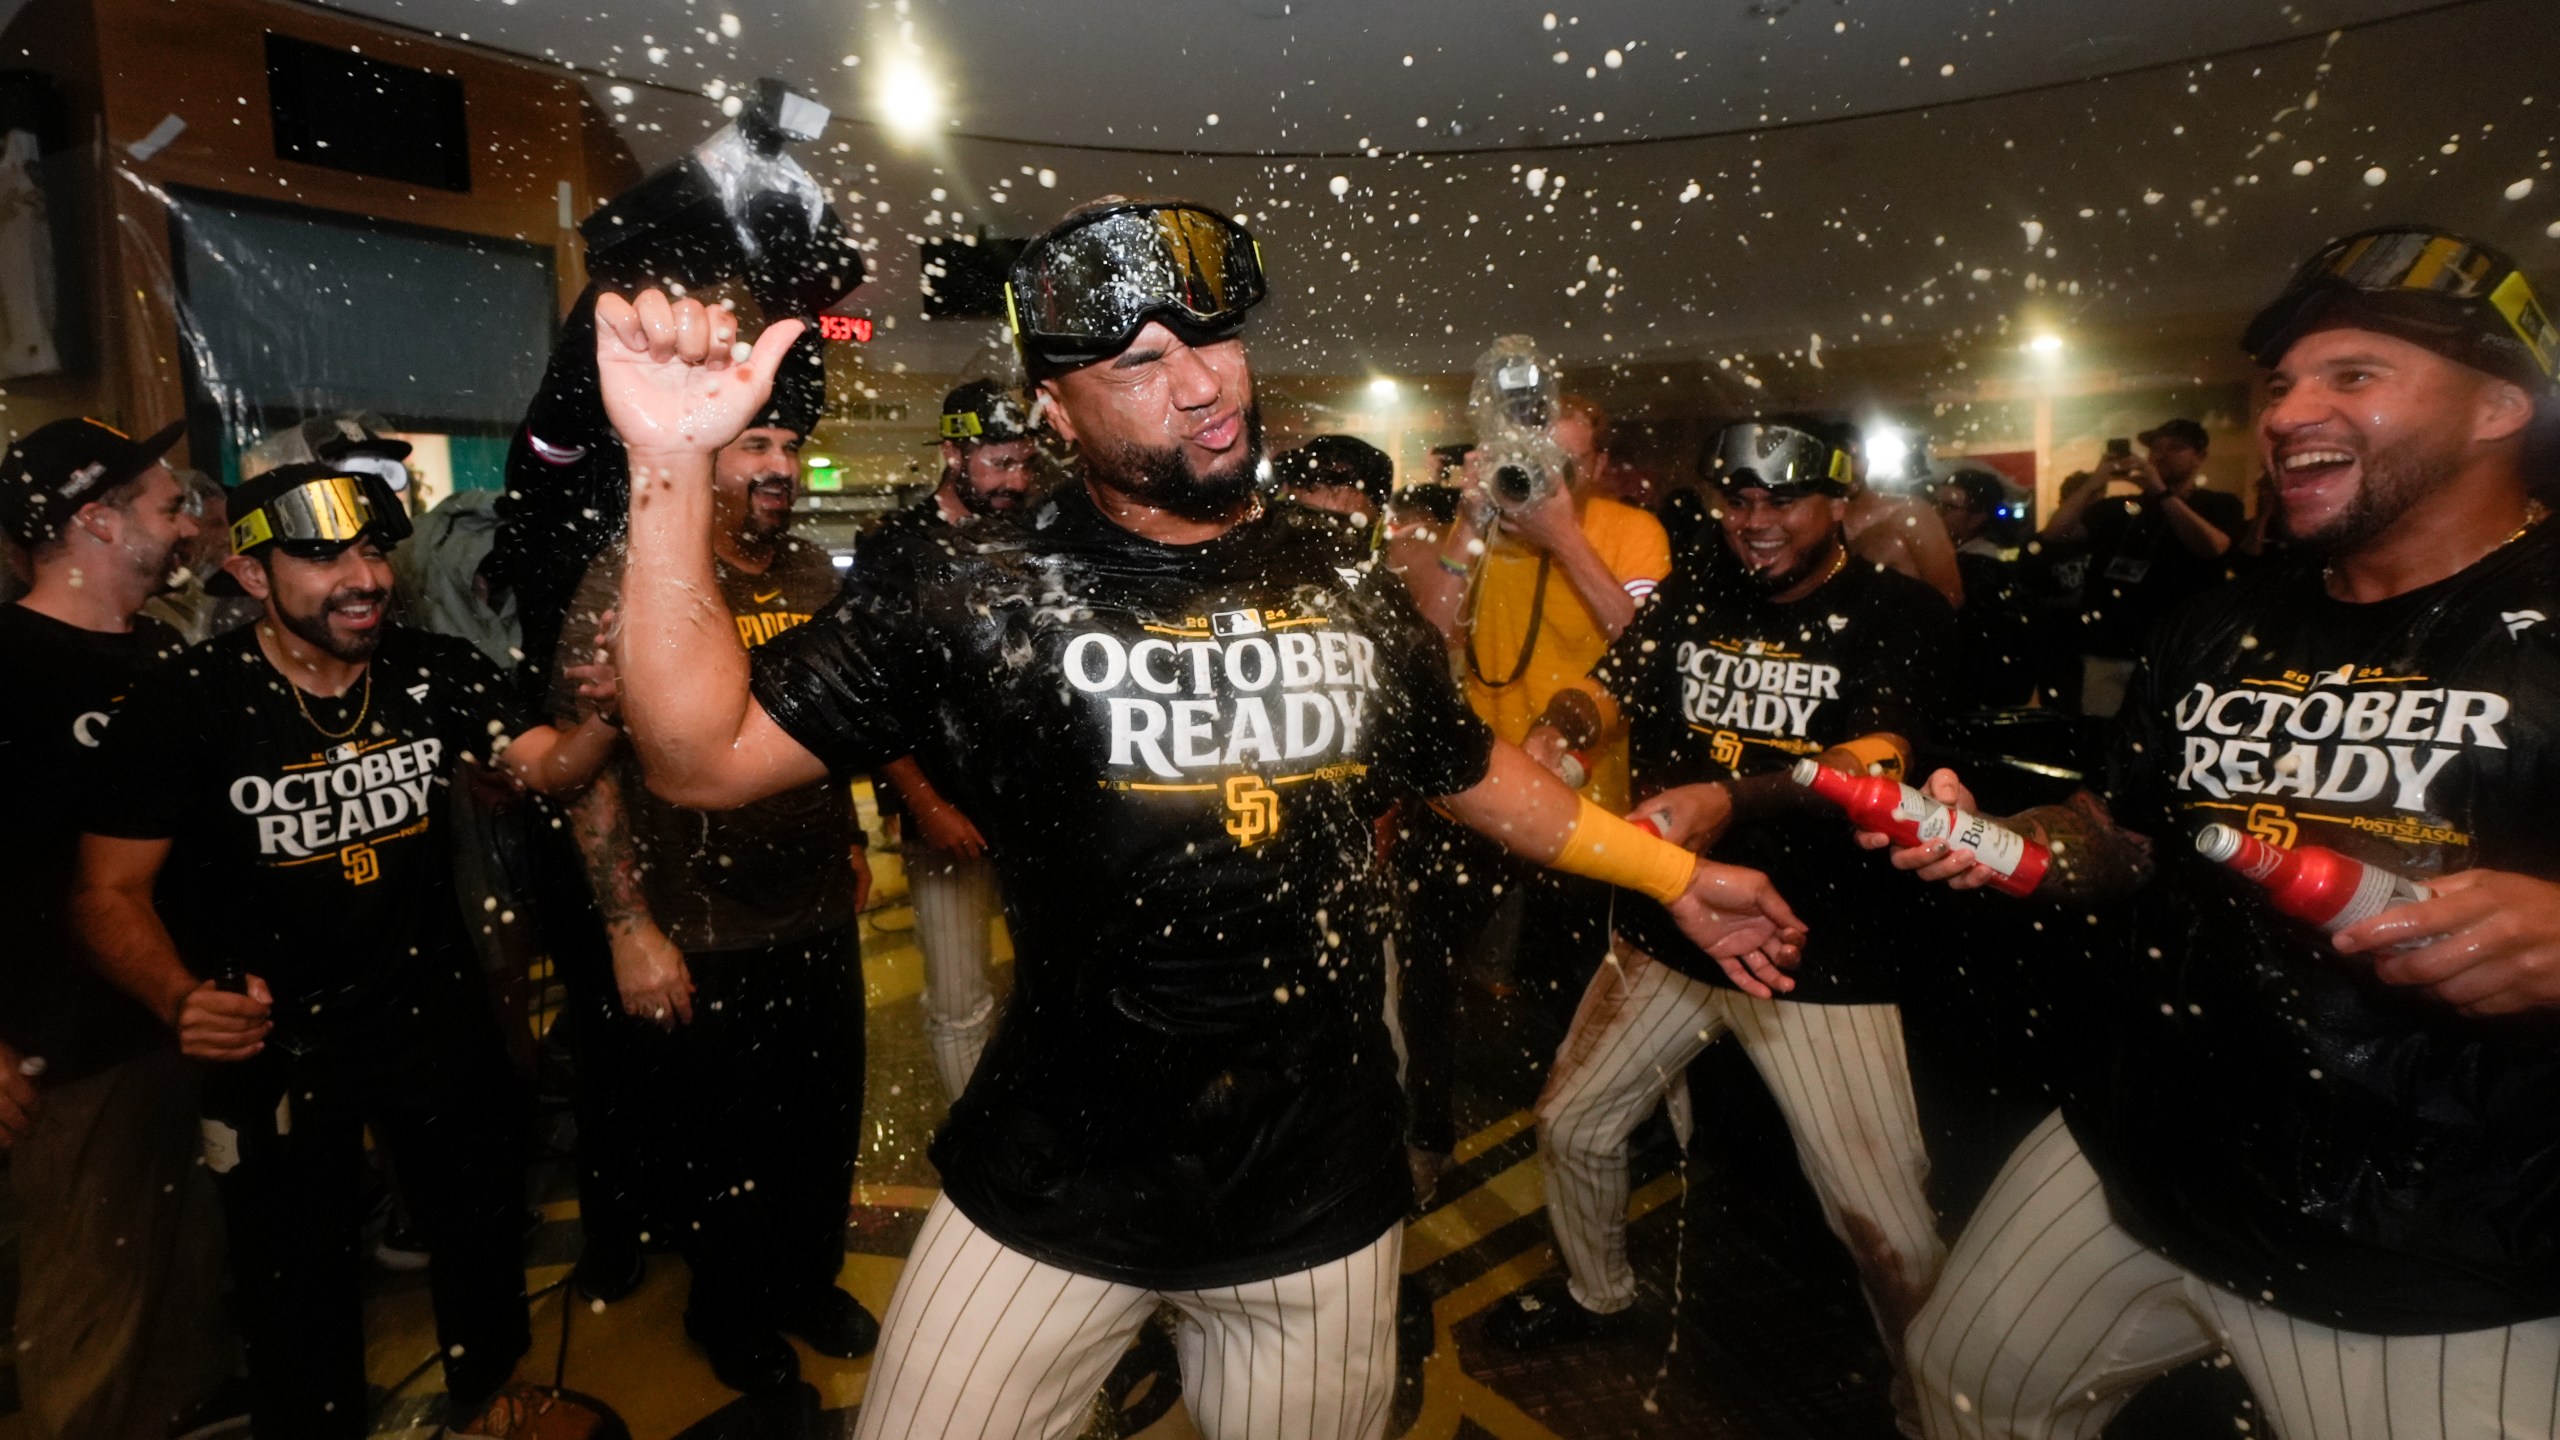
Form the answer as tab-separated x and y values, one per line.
609	1270
1543	1315
833	1323
224	1412
746	1358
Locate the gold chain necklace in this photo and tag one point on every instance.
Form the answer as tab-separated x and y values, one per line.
2535	512
365	706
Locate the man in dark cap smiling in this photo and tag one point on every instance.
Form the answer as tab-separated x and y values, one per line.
119	1304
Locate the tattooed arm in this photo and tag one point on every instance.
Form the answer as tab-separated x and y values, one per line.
2094	859
648	969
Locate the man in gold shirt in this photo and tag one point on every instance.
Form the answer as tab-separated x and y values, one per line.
1530	598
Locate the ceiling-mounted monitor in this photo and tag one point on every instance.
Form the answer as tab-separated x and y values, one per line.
365	116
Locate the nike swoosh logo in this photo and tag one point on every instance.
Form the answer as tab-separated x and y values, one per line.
768	599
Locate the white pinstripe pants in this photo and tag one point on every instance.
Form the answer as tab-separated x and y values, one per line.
984	1342
2050	1317
1837	1073
954	899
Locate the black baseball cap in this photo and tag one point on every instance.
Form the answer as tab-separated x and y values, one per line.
982	412
1344	460
2186	431
59	467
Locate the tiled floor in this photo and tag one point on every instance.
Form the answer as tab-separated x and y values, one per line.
1752	1322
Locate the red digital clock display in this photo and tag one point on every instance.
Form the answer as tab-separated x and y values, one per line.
854	328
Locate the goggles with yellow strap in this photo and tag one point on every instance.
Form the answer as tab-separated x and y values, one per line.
324	513
2430	274
1082	291
1780	459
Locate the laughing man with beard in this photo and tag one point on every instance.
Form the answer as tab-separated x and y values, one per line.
2335	1158
266	870
1161	694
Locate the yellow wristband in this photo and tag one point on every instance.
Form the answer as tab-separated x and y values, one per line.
1603	847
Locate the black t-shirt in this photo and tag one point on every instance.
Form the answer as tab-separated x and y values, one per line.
1995	637
2279	1120
761	874
1193	1084
1717	681
2139	570
317	863
64	685
885	561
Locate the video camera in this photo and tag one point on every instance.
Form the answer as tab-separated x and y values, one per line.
1513	401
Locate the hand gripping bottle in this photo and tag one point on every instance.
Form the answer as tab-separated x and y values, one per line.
2312	882
1911	818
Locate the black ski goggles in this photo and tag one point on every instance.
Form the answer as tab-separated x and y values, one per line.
1785	461
323	515
2432	276
1082	291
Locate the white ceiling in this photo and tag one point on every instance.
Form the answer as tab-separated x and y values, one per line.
1961	219
1341	76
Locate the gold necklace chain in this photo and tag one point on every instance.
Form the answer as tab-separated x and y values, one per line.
361	709
2535	512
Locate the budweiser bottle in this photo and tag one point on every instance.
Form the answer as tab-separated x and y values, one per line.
1911	818
2311	882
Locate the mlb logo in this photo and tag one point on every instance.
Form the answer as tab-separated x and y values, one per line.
1228	624
340	754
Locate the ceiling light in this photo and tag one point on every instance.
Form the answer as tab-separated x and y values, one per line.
2047	345
1382	389
1888	451
909	101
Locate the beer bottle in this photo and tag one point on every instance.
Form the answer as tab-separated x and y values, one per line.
1911	818
2312	882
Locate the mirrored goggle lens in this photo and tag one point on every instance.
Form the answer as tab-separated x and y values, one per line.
1776	458
1098	283
330	511
2410	260
2429	262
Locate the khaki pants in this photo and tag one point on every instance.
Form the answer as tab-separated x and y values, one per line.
120	1316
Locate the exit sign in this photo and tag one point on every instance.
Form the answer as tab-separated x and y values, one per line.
853	328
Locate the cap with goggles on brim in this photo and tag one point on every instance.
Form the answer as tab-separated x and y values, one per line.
312	511
982	412
1781	459
1082	292
2455	296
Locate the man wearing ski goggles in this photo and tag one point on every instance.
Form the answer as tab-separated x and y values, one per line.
1249	1166
1083	291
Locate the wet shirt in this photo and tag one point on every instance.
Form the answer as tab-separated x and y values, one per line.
1529	635
317	861
2139	570
762	874
2279	1120
1193	1083
65	685
1717	681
